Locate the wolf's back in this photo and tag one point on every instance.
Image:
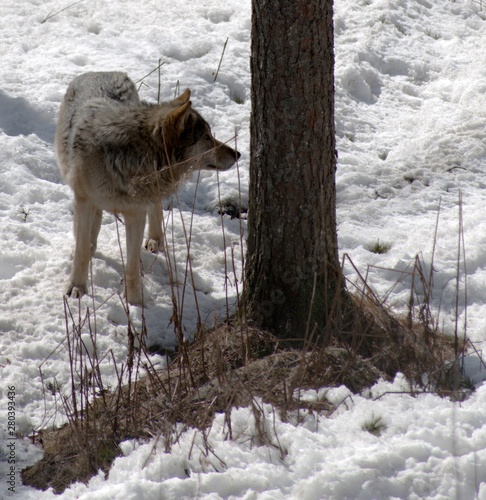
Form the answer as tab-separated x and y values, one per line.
113	86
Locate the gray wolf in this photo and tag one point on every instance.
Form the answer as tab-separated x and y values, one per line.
123	155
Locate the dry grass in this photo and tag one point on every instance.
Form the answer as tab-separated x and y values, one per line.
233	366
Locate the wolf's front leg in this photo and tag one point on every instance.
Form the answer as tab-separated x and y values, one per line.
95	230
155	241
84	214
134	225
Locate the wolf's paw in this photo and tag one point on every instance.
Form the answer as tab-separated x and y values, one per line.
75	291
154	246
133	290
134	297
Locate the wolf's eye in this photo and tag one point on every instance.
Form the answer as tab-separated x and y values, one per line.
207	137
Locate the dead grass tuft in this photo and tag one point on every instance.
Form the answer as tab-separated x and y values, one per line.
225	367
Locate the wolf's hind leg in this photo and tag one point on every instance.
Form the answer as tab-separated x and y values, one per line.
84	214
155	241
134	225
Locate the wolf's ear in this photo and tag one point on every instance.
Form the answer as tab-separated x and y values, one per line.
182	99
178	116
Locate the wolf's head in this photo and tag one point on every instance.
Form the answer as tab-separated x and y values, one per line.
192	140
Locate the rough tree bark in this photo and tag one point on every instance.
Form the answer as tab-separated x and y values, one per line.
293	276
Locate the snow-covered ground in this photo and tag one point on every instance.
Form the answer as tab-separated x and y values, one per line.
411	125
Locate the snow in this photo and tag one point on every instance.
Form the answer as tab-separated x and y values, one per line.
411	121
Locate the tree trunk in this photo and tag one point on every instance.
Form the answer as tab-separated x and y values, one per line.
293	276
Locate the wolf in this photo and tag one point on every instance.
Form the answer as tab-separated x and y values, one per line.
123	155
